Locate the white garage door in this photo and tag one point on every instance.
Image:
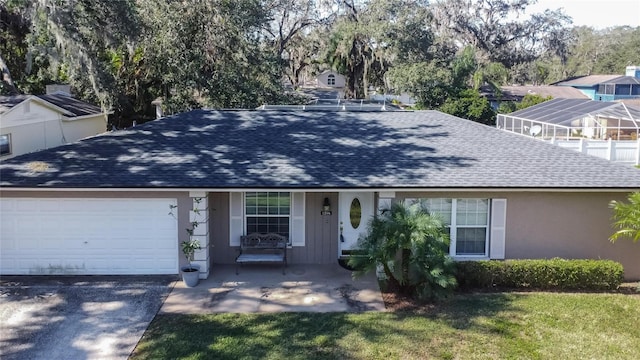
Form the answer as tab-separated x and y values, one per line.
87	236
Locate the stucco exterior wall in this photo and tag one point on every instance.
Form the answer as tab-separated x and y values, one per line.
32	127
554	224
323	80
35	127
590	91
79	129
568	226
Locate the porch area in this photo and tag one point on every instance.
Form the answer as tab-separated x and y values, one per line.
264	289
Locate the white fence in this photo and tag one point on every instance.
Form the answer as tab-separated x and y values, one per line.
620	151
404	98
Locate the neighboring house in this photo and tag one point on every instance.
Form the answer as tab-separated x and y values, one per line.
34	122
517	92
607	87
330	79
608	130
100	205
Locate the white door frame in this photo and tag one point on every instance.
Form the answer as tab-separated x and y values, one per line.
347	234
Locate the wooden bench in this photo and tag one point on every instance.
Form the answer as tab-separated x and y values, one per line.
262	248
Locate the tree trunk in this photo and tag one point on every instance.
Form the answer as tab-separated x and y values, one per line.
365	82
6	77
394	285
406	256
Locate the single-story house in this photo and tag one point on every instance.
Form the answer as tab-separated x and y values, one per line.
34	122
119	203
330	79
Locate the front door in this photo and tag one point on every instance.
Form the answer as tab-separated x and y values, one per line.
355	209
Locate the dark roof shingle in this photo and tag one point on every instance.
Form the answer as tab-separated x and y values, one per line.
306	149
73	107
588	80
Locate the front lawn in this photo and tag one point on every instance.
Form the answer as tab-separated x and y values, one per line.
469	326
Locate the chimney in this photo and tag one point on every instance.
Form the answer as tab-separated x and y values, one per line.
633	71
158	104
59	89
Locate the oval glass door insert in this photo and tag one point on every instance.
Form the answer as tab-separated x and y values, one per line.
355	213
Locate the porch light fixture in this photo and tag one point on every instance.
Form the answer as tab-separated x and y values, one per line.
326	207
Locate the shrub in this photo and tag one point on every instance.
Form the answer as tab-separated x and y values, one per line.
412	248
559	274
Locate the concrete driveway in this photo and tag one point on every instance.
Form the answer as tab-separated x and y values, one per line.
80	317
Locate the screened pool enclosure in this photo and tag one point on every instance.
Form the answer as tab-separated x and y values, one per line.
574	119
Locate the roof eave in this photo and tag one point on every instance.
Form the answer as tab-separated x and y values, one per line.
74	118
471	189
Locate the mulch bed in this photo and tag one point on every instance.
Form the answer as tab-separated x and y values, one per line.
396	302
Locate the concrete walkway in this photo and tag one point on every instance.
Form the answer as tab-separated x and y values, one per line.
263	288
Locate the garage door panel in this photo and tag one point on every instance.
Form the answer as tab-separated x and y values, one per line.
7	231
88	236
162	245
27	242
28	205
162	229
92	207
51	245
6	206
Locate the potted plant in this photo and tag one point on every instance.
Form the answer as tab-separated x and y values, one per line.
191	272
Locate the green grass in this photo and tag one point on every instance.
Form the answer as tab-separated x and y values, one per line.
469	326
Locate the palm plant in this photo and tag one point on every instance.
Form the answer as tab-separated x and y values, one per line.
626	218
411	246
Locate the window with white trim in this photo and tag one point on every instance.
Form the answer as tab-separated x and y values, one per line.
467	221
268	212
331	80
471	227
5	144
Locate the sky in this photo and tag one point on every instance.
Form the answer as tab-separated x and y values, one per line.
599	14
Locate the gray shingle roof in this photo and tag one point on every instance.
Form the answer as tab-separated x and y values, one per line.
7	102
298	149
588	80
623	80
517	92
556	92
72	106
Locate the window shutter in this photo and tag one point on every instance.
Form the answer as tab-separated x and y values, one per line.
297	218
383	204
498	225
236	218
